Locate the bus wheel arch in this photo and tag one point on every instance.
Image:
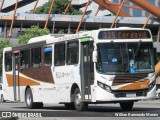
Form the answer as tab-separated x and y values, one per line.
27	87
70	106
73	88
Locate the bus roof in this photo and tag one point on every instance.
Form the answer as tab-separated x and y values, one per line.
93	33
51	38
7	48
40	38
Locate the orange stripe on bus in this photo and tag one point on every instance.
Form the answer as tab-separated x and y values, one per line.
22	81
136	86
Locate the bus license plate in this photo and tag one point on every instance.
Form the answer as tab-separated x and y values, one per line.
131	95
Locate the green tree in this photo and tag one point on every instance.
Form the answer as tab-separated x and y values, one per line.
3	44
58	8
29	33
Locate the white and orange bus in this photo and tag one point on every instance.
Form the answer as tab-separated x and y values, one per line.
100	66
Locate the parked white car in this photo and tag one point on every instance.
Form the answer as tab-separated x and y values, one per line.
158	90
1	93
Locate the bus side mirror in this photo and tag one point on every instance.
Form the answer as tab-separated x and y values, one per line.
94	56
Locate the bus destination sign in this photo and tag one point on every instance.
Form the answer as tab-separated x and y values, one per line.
130	34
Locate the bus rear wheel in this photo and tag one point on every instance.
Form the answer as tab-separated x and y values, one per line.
2	98
78	103
29	99
125	106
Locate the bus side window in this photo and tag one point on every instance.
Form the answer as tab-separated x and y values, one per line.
72	53
59	54
48	56
25	59
36	57
8	61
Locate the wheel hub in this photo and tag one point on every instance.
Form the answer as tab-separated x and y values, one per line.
28	99
78	99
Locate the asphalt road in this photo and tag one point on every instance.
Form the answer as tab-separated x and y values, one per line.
143	109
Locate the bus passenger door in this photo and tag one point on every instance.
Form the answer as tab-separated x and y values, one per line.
86	70
16	68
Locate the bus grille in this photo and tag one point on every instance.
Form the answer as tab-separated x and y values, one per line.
138	94
129	78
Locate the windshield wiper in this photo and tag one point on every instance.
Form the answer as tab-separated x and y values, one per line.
138	47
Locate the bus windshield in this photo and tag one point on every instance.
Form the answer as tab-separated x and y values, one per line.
117	58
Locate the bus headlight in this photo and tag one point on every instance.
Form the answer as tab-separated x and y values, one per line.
104	86
152	85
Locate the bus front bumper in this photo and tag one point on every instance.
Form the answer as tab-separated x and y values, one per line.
101	95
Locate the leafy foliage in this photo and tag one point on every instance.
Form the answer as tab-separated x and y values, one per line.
29	33
3	44
58	8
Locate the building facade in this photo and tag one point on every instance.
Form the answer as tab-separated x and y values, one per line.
24	6
133	12
80	4
136	12
92	8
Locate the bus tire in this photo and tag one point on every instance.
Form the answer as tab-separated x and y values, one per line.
69	106
159	95
29	99
126	106
38	105
2	98
79	105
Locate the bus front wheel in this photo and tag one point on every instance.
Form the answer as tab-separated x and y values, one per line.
78	103
69	106
125	106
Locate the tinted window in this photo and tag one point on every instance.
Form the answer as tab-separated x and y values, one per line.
120	58
72	52
25	59
8	61
59	56
36	57
48	56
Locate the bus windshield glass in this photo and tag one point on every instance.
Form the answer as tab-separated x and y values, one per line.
117	58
